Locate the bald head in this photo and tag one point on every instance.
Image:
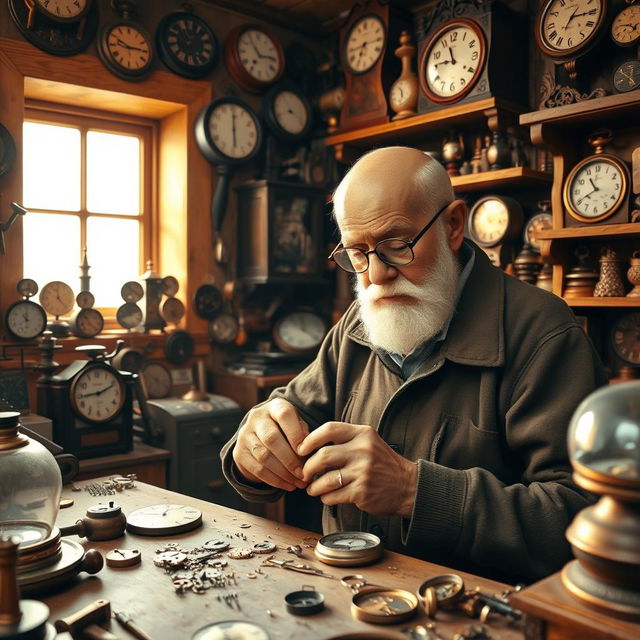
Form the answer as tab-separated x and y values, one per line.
394	178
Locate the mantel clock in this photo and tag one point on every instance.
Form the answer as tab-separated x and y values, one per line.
462	48
90	405
368	62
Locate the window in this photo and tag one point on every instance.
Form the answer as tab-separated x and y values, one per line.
87	183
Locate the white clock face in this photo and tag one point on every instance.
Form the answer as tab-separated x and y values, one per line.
567	24
301	330
625	28
454	60
259	55
365	44
57	298
401	91
63	9
291	112
233	130
157	379
128	47
489	222
163	519
97	394
26	320
596	189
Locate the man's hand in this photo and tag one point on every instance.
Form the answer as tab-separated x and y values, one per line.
265	450
363	470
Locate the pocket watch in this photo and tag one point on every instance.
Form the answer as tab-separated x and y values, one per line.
452	60
163	520
598	185
348	548
25	319
625	28
186	44
443	591
625	338
253	56
87	322
224	328
157	380
124	47
564	30
7	151
288	113
383	605
299	332
626	77
178	347
207	301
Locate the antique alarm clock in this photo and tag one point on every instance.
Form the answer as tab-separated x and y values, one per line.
461	52
25	319
597	188
90	404
494	223
369	67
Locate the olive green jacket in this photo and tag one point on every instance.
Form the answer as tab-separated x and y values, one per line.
485	417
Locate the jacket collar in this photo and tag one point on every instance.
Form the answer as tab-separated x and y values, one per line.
476	332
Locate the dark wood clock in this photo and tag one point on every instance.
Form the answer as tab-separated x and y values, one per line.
462	47
367	39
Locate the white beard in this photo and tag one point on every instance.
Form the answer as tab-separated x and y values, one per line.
399	327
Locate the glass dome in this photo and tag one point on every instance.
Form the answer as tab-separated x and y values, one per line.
30	485
604	433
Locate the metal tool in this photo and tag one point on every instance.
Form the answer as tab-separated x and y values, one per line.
87	623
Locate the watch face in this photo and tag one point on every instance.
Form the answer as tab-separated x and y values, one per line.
25	320
452	61
129	315
231	132
224	328
85	299
488	222
126	50
132	291
365	44
539	222
63	10
87	323
565	28
291	112
595	188
625	28
186	44
57	298
300	331
172	310
626	338
259	55
627	76
97	394
157	379
348	548
163	519
207	301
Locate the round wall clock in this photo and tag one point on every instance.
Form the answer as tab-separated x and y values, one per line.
625	338
288	113
564	30
627	76
57	298
224	328
625	28
59	27
163	520
452	60
124	47
253	56
364	44
186	44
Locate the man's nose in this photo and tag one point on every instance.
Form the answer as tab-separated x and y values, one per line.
379	272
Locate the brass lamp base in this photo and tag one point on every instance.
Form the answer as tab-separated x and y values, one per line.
614	600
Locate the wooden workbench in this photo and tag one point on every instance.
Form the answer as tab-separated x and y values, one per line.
146	593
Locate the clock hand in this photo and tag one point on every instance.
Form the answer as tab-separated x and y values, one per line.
571	17
122	43
593	185
233	127
96	393
453	60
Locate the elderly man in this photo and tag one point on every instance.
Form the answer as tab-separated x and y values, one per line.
435	413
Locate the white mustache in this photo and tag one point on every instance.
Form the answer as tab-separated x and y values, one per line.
375	292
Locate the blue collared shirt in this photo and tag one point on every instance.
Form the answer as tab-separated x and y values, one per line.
411	362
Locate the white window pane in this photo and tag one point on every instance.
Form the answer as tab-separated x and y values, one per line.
51	245
51	166
113	248
113	173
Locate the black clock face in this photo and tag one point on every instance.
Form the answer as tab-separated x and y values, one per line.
207	301
179	347
627	76
186	44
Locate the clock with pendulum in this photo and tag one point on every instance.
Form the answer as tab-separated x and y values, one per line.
57	300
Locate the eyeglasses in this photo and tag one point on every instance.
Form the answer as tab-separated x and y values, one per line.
394	252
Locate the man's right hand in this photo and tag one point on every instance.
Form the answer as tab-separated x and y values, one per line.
265	449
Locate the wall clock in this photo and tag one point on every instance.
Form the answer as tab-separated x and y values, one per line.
224	328
124	47
254	57
288	113
597	188
59	27
625	28
368	68
163	520
626	77
187	44
625	338
462	47
90	405
25	319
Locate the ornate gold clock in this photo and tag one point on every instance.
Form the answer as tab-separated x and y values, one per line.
369	67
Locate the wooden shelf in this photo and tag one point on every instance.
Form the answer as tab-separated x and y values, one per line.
592	231
619	110
419	127
511	178
603	302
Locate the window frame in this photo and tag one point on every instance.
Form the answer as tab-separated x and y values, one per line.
146	129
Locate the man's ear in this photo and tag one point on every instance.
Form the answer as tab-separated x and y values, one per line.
456	218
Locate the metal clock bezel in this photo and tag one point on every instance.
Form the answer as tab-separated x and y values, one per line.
18	303
104	53
272	118
91	366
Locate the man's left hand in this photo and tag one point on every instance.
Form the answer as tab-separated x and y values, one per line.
358	467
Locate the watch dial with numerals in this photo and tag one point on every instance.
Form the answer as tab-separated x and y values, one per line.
97	393
401	91
163	519
595	188
566	27
287	112
259	55
25	320
627	76
365	44
63	10
488	222
452	61
625	28
126	50
57	298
